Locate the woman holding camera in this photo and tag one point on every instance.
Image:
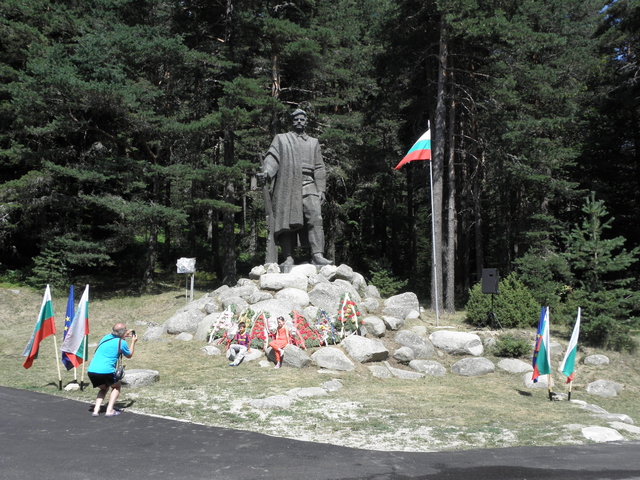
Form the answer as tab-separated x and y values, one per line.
102	369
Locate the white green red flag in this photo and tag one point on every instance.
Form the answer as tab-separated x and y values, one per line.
567	367
421	150
45	327
542	354
74	344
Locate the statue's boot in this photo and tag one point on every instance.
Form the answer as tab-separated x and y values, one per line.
319	260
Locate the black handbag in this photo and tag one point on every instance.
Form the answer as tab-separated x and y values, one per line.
120	369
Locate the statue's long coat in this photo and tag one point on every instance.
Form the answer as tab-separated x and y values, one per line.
285	163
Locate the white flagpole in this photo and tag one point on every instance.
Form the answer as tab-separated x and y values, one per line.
433	241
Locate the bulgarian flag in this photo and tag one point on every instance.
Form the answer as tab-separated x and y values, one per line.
421	150
45	327
542	354
569	361
74	344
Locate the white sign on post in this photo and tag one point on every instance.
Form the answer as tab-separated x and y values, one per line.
187	265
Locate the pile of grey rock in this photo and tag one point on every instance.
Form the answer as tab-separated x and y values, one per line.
386	345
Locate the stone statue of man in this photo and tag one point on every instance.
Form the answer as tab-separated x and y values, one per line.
295	167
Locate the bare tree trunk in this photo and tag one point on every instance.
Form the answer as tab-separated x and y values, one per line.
152	243
452	222
228	218
438	168
477	211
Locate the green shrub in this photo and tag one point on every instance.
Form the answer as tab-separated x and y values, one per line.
514	306
386	283
510	346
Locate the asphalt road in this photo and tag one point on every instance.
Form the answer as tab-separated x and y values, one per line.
44	437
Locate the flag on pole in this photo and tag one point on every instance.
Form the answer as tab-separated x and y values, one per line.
45	327
68	318
74	342
421	150
568	363
542	354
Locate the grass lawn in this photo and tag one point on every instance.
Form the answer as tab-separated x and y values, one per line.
433	413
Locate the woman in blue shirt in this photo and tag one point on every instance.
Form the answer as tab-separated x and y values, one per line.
102	368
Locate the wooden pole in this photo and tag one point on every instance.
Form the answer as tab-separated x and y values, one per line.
570	385
549	383
55	346
86	352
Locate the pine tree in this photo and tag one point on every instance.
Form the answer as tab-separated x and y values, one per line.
602	287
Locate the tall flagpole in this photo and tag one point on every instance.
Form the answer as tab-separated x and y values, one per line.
433	242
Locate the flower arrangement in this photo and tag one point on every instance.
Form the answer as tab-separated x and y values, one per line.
222	324
303	335
259	332
326	328
348	314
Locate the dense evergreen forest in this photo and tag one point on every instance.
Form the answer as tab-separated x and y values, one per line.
130	134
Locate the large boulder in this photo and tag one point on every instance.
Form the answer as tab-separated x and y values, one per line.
239	303
295	357
422	348
604	388
393	323
472	367
596	360
365	350
513	365
375	325
344	272
332	358
186	321
329	272
294	295
276	308
153	333
136	378
400	305
542	382
403	355
404	374
345	287
305	269
428	367
278	281
325	296
457	343
196	304
369	304
243	292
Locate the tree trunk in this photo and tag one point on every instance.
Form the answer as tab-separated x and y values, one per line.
438	169
228	218
452	222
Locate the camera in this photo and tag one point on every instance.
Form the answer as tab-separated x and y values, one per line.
133	332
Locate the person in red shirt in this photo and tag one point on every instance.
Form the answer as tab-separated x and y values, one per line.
281	341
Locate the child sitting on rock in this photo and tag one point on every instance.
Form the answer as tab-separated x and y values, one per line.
281	341
240	346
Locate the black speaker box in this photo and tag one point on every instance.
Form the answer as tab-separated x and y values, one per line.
490	280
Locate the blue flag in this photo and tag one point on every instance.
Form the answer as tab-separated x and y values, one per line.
68	318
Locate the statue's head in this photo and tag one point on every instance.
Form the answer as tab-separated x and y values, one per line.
299	120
